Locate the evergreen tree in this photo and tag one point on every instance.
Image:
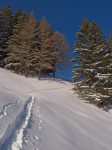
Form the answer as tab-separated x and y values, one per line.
103	86
44	33
13	58
33	47
21	45
6	18
19	18
60	47
52	48
89	40
108	68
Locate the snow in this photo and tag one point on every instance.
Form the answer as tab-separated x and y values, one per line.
89	70
19	139
56	120
97	63
98	96
102	76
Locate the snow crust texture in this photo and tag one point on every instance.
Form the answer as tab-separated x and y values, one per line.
47	115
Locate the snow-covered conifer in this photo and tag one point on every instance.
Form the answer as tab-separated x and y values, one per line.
90	40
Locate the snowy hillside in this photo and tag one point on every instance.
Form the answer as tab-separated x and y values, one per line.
46	115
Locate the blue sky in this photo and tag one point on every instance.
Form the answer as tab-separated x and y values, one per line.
66	15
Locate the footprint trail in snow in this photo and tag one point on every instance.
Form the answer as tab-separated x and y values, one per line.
18	143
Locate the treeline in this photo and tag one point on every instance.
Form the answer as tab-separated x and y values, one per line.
93	65
29	46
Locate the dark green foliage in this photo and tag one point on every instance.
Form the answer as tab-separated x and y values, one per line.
6	26
6	19
92	56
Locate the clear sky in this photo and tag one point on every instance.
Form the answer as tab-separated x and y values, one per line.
66	15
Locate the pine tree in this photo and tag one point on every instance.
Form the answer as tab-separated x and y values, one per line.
89	40
44	33
52	48
12	61
103	86
108	68
60	47
19	18
6	17
21	46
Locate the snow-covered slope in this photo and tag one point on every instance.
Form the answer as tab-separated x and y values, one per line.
46	115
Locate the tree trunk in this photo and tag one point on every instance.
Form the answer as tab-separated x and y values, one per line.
39	76
54	74
26	70
26	73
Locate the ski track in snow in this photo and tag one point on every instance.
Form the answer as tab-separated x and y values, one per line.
17	144
34	139
16	137
60	122
4	108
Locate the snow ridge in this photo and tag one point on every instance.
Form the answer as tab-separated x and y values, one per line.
17	144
